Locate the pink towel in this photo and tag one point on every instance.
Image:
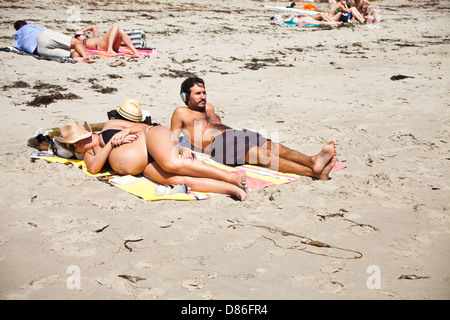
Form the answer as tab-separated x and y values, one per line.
338	166
123	52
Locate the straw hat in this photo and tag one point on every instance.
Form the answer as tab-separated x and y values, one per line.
74	132
131	110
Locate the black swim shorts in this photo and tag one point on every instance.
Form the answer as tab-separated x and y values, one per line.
231	146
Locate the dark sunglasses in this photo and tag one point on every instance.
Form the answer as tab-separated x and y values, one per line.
71	147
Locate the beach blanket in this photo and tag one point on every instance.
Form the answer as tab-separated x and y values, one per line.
257	178
296	24
23	53
123	52
279	20
301	24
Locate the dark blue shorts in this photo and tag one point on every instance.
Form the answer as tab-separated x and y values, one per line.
231	146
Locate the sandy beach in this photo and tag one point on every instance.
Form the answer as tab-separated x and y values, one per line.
385	218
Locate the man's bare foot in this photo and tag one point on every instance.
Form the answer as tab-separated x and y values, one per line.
324	156
326	171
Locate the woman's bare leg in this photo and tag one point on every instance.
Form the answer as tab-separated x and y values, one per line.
356	14
78	52
112	40
154	172
165	150
123	37
336	17
106	43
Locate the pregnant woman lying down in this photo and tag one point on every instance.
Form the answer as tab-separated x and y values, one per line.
132	148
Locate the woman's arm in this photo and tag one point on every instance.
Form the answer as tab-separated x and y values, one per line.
128	130
343	8
96	157
94	30
124	136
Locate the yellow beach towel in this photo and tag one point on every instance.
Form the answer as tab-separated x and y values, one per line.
257	178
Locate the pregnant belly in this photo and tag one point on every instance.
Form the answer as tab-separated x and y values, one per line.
130	158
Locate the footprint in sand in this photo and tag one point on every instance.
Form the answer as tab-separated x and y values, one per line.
331	287
118	284
28	289
192	284
151	294
145	265
427	237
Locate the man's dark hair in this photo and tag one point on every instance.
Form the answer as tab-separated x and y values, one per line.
187	85
19	24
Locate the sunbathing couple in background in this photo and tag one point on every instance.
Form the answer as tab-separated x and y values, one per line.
48	43
132	147
51	44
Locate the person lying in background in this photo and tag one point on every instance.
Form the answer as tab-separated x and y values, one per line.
48	43
109	43
320	19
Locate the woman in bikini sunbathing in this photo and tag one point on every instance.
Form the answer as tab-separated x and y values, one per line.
132	148
321	19
341	7
110	42
366	8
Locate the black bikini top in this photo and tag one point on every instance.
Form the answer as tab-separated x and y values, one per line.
108	134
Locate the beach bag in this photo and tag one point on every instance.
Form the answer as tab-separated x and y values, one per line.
345	17
137	37
277	19
60	150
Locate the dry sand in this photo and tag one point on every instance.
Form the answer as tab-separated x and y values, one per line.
388	210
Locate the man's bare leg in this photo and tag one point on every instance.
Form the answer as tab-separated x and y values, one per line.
326	171
322	159
316	163
260	156
123	37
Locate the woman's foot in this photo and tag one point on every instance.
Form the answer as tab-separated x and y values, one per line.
240	194
239	180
